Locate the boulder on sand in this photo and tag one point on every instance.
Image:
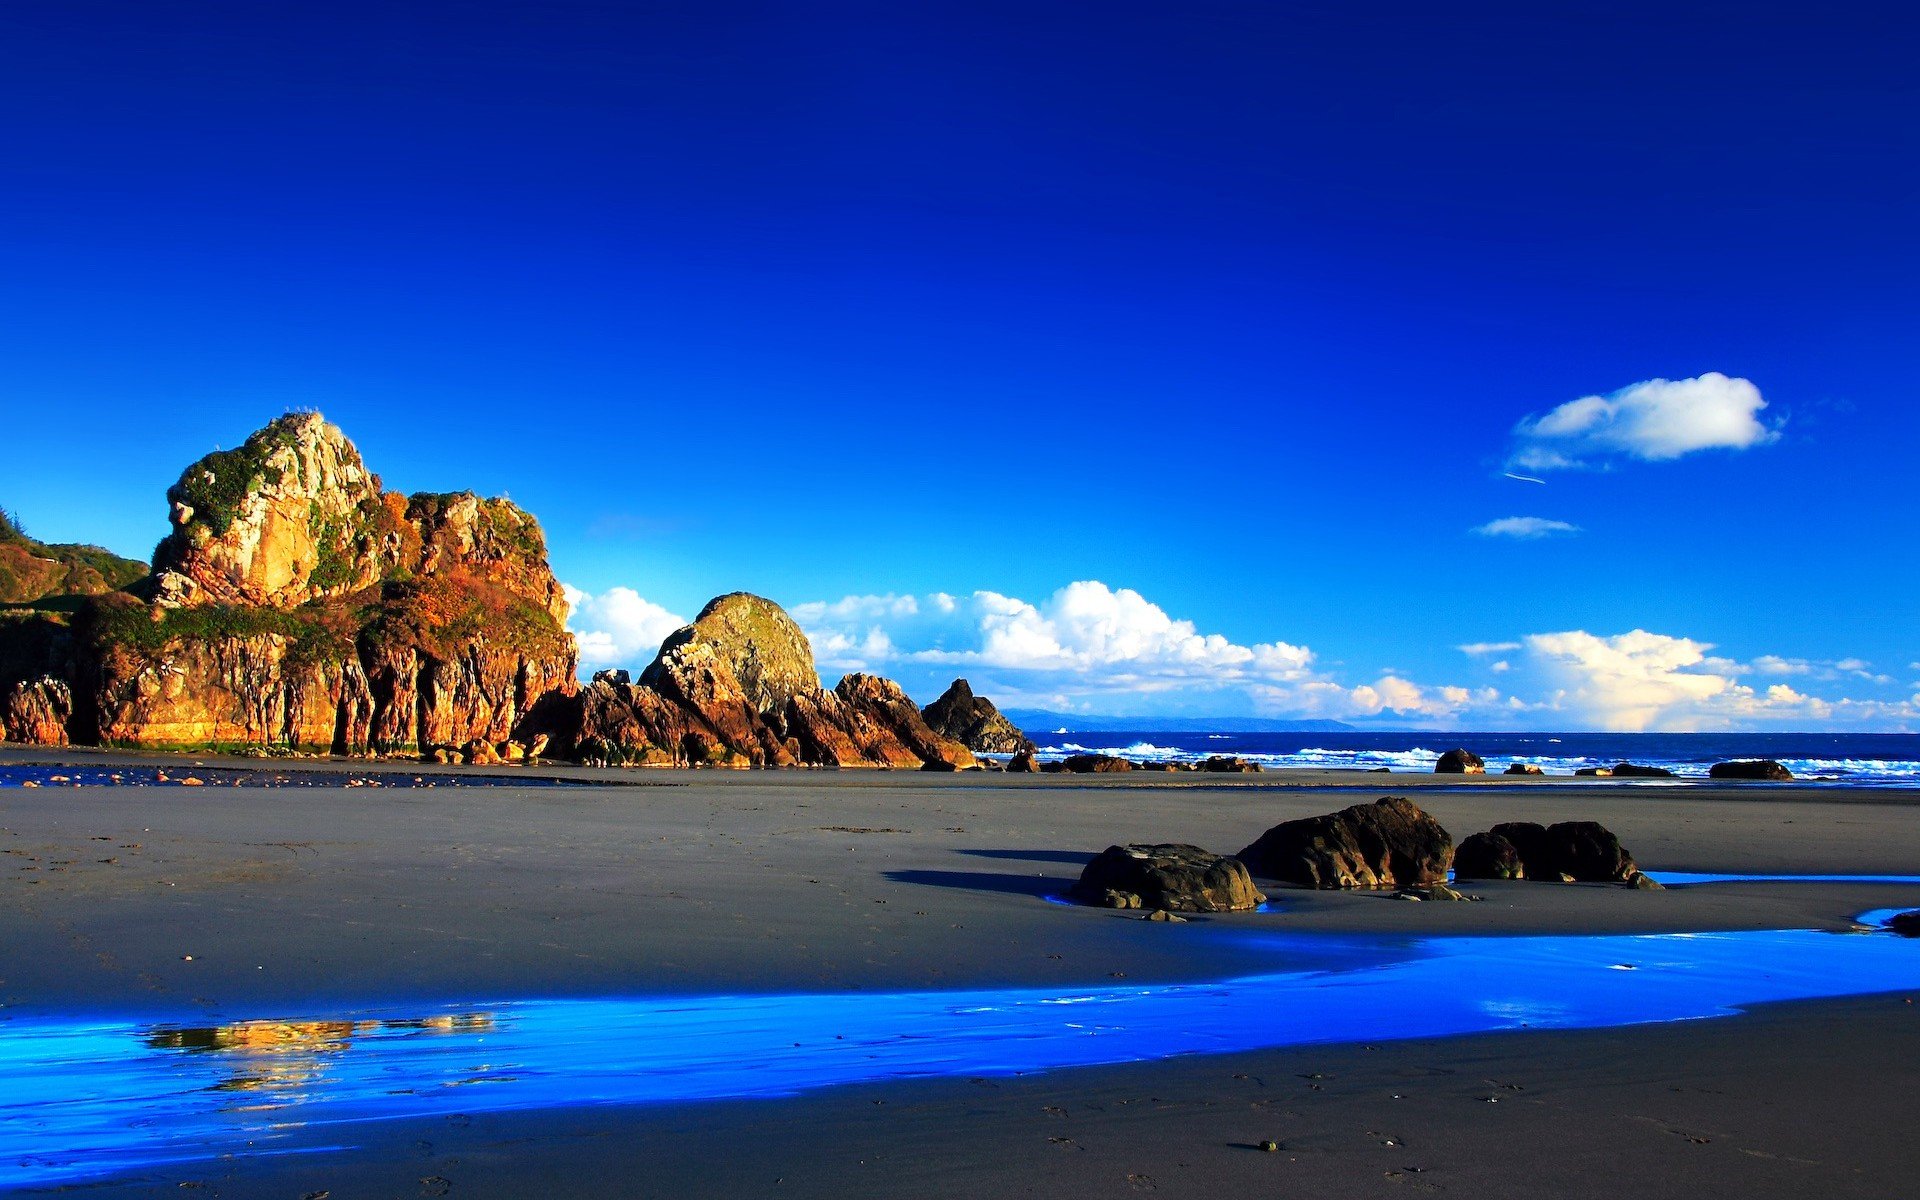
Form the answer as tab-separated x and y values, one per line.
1222	764
1460	761
1487	856
1751	768
1906	924
1586	851
1022	763
1627	770
1169	876
1389	843
1522	769
1094	764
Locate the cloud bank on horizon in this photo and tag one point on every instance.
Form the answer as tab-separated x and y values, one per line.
1095	649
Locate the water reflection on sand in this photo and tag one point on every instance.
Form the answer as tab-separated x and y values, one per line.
89	1099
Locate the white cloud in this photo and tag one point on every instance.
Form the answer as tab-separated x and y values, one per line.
1524	527
1640	680
618	627
1657	420
1094	647
1478	648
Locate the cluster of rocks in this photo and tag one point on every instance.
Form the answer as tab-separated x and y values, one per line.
297	606
1025	761
1461	761
1566	852
1390	843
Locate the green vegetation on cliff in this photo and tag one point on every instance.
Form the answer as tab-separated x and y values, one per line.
32	571
217	487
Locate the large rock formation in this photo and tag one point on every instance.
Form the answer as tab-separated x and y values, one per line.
296	605
1389	843
1168	877
973	721
1460	761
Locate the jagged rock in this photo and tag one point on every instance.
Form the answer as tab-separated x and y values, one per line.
1094	764
1460	761
1228	765
1487	856
614	678
1167	876
36	711
888	706
1434	891
767	654
1643	882
1627	770
973	721
1021	763
1389	843
480	753
1584	851
1521	769
1751	768
832	731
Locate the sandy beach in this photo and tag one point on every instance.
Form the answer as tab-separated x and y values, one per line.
201	907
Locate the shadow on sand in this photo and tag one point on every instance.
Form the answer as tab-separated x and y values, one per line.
1078	858
983	881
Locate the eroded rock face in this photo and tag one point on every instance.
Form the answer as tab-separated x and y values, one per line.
767	653
1168	877
256	524
1389	843
36	711
973	721
1460	761
1753	768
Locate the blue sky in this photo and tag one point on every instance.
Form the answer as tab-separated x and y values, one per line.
1165	323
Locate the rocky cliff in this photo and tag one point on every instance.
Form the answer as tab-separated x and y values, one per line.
295	604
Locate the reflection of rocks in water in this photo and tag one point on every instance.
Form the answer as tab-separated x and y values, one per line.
286	1056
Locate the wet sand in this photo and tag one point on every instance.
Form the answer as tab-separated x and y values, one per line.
313	901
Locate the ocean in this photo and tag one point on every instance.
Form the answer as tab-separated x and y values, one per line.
1888	759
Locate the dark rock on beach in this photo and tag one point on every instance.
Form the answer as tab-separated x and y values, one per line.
1522	769
1222	764
1627	770
973	721
1389	843
1460	761
1487	856
1906	924
1170	876
1022	763
1586	851
1094	764
1751	768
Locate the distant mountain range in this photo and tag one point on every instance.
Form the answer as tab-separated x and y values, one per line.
1034	720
